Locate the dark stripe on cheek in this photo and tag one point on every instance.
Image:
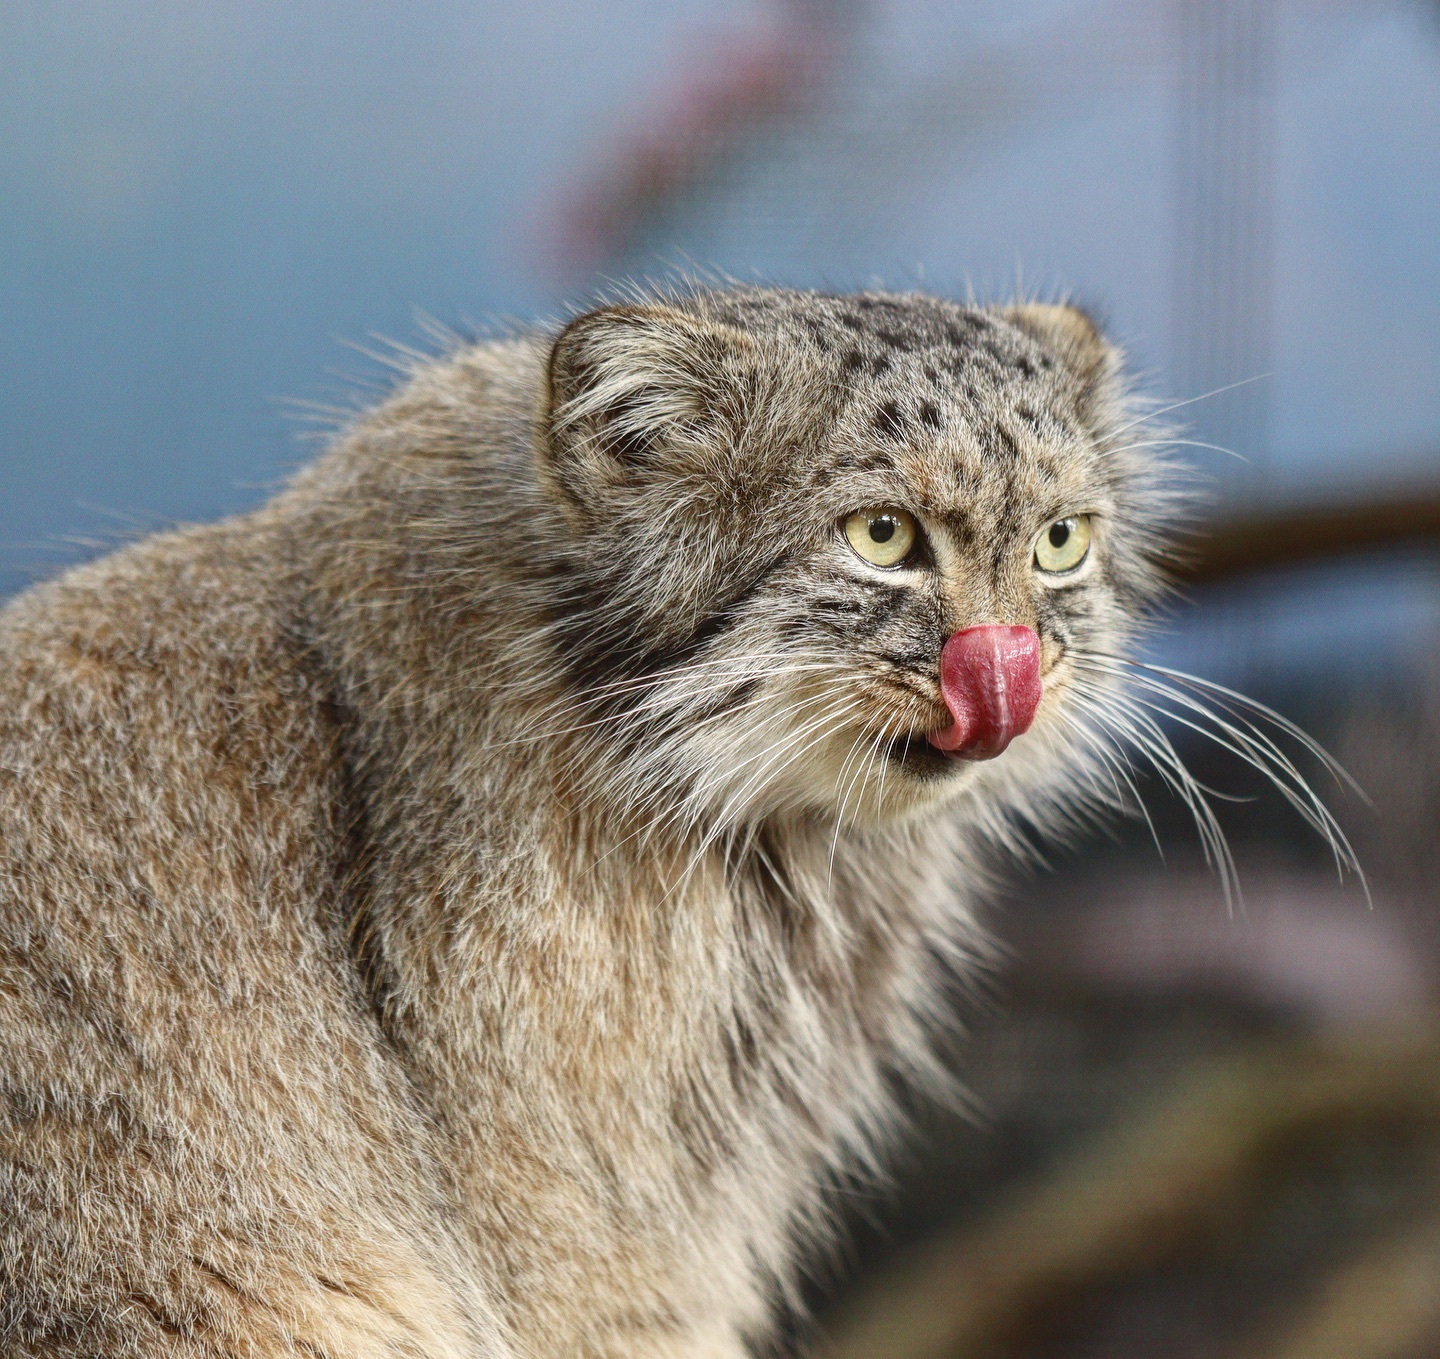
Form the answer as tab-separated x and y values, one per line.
1133	593
735	696
880	612
839	608
713	626
594	654
924	659
1013	513
1062	614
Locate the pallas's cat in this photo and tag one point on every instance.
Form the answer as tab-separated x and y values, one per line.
472	905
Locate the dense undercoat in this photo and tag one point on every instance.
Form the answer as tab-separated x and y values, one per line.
407	946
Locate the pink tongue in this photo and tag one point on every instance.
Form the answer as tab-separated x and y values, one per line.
990	677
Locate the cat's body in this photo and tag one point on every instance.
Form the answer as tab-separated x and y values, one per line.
425	928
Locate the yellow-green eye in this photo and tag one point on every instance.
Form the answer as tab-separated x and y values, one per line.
883	537
1063	546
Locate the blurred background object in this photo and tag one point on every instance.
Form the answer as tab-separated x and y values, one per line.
1187	1131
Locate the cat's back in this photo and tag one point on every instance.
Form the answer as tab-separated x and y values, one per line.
160	737
175	997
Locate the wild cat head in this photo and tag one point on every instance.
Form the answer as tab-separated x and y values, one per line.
843	554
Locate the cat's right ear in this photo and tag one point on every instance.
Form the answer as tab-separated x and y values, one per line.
1074	338
627	385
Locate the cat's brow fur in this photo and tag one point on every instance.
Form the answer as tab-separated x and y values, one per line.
472	905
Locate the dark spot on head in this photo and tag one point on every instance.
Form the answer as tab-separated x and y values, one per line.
1005	442
896	339
853	361
859	461
818	333
1027	367
889	421
1028	414
851	322
880	364
963	329
930	416
963	528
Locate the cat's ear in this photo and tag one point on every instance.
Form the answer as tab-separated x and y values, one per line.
1075	339
628	384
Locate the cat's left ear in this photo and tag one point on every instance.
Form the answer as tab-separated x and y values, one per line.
1075	339
631	387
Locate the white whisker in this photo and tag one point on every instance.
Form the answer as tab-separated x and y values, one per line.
1225	718
1148	416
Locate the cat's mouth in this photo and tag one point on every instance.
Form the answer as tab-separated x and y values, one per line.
990	681
990	687
917	756
925	754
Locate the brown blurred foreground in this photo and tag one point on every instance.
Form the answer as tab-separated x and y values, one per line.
1194	1177
1296	536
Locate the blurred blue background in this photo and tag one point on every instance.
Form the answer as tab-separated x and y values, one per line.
203	206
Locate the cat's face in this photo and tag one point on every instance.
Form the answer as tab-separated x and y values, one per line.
783	507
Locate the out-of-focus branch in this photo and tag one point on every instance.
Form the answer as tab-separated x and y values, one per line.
875	141
1238	546
746	83
1384	1303
1150	1192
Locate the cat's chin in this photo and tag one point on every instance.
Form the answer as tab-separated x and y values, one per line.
917	757
928	777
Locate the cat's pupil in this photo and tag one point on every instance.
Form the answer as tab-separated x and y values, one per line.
882	530
1059	533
